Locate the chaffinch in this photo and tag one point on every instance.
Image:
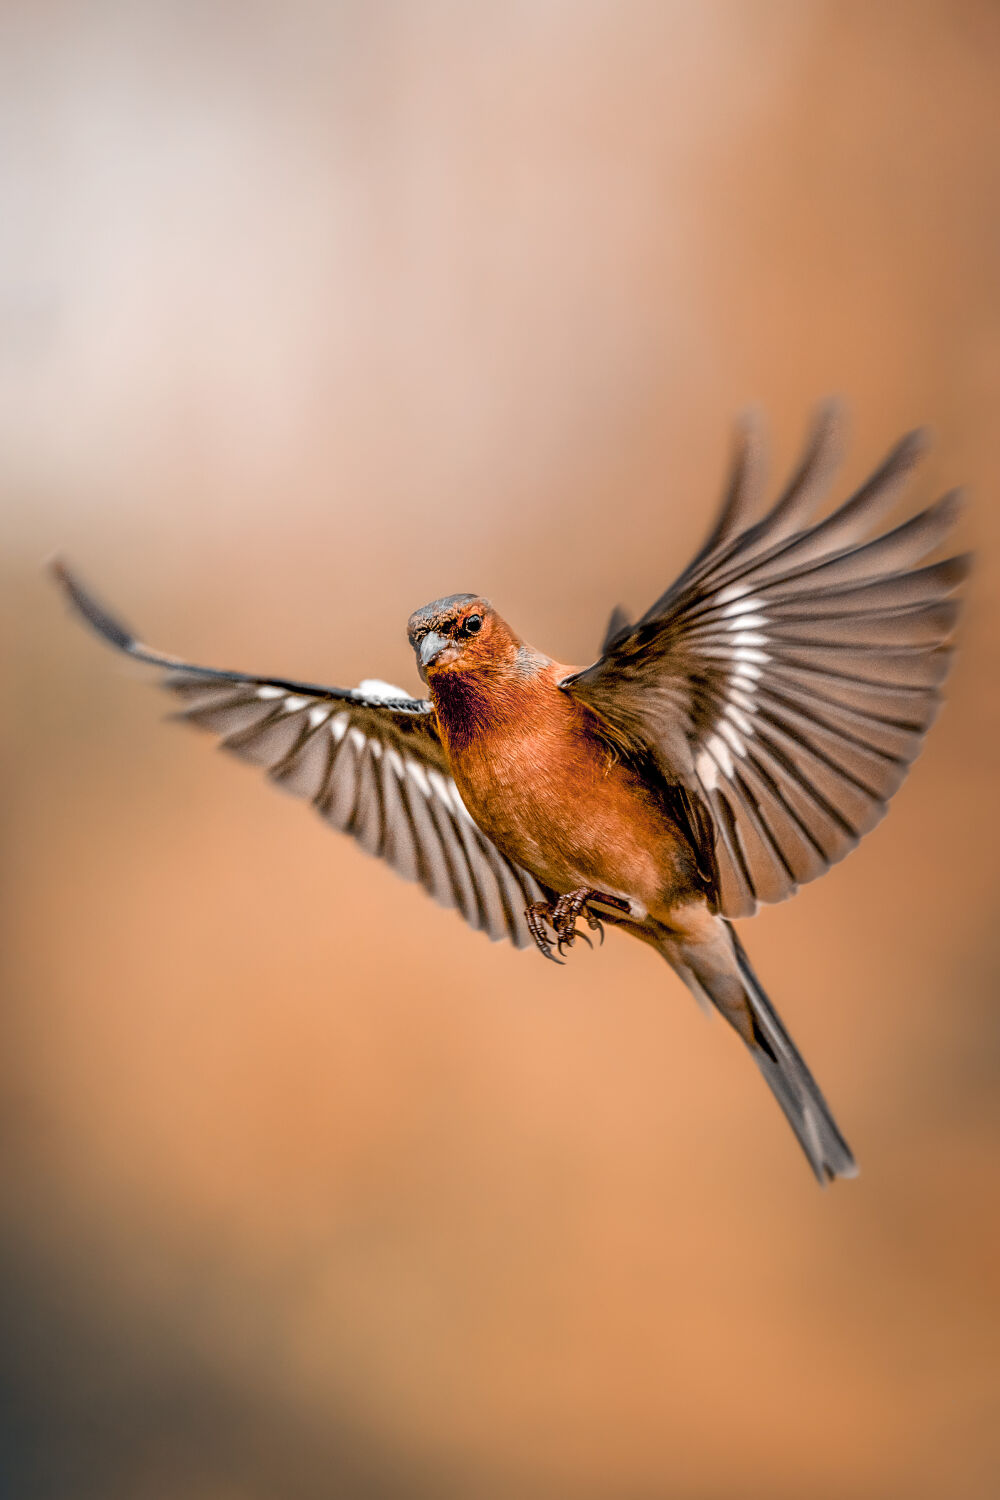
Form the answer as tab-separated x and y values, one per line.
724	749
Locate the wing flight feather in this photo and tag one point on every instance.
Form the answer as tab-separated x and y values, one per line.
788	677
370	761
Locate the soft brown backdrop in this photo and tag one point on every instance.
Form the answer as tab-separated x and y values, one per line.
308	314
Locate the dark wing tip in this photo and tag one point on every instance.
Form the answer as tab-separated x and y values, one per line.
744	485
832	408
897	464
618	626
828	429
94	613
910	449
749	448
750	422
951	505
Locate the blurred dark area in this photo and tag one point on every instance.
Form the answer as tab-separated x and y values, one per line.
310	314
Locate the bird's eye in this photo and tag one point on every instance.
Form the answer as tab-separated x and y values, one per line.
472	625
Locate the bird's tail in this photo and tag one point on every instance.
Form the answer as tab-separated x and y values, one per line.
776	1055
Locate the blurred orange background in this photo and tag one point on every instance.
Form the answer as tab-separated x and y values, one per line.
309	314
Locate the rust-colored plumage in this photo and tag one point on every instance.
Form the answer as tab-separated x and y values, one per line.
730	745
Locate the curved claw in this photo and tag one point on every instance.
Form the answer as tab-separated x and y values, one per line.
562	917
536	917
594	923
545	949
567	939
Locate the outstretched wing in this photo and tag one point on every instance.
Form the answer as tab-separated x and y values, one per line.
787	678
369	760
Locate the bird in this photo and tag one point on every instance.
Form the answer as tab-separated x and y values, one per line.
728	746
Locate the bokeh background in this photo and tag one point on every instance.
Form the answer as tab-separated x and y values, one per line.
310	313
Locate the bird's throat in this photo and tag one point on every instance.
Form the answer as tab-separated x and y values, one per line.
471	703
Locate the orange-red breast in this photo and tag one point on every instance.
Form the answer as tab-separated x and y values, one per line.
727	747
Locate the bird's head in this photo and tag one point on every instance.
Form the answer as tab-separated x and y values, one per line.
459	635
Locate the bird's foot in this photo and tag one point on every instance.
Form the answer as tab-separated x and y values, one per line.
537	915
569	907
562	916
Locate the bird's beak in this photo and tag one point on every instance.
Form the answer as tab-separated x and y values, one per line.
431	646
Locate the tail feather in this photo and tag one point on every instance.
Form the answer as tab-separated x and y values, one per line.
792	1084
724	976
